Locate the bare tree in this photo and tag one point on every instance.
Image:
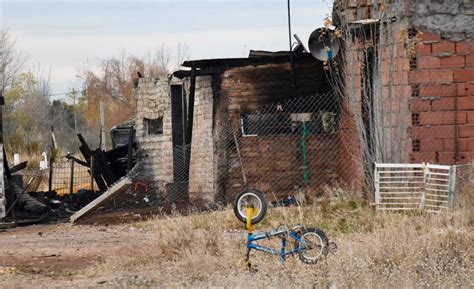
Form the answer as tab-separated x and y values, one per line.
11	61
162	59
181	54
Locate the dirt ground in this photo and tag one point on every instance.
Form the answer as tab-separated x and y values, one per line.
207	249
34	255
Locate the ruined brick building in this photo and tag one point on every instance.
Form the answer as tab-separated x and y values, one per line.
400	90
200	129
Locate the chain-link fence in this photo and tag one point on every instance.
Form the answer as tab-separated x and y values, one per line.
291	149
64	176
68	177
286	148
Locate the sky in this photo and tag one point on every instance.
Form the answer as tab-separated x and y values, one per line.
62	37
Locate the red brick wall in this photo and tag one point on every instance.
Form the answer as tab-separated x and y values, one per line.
445	104
434	85
274	164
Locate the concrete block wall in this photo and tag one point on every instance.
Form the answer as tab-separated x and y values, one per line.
202	175
155	152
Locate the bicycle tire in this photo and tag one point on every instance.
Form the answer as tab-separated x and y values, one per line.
259	197
321	236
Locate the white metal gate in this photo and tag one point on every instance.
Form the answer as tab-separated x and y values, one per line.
414	186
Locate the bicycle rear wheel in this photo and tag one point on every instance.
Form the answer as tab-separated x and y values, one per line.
315	243
250	198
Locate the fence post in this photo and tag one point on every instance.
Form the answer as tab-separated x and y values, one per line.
377	187
452	186
71	178
425	176
92	173
51	164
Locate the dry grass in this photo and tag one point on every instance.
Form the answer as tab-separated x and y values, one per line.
207	249
375	250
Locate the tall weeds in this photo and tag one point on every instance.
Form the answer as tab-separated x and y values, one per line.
374	249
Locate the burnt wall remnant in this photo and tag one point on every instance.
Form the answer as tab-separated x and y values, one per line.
260	121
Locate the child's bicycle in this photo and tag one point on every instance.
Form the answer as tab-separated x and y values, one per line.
311	244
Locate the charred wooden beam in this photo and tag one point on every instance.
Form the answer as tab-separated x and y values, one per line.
201	72
81	162
130	150
118	152
106	171
238	62
18	167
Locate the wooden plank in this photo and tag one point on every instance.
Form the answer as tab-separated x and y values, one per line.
105	169
7	225
117	188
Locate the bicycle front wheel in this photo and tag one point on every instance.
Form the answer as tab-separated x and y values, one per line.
250	198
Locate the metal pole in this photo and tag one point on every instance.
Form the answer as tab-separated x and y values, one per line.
452	186
239	155
51	163
102	125
291	45
71	178
289	25
74	109
92	173
377	187
305	154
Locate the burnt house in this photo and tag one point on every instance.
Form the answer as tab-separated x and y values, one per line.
267	121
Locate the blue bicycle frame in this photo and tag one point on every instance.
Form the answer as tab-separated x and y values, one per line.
282	253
